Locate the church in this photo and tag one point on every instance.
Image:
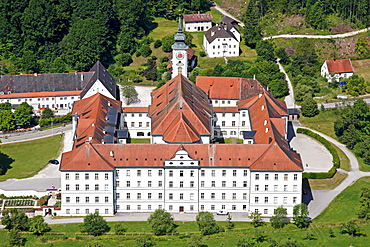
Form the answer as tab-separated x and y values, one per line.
185	167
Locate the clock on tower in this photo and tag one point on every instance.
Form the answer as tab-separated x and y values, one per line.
179	53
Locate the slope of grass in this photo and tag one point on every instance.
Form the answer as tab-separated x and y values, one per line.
324	122
30	157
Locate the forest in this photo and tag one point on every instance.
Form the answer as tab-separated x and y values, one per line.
64	35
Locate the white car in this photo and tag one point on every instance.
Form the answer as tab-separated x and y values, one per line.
222	212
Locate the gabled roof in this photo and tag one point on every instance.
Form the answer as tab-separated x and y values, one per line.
135	109
339	66
101	74
40	94
198	17
228	20
180	99
92	113
219	31
226	109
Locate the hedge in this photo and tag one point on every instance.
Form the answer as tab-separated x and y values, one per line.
63	119
333	152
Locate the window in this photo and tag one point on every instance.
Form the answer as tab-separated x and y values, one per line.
233	207
68	211
77	187
295	177
265	211
181	173
96	198
223	183
128	207
245	173
243	114
223	123
106	176
96	186
223	196
67	176
106	199
213	173
234	196
294	199
285	177
106	186
275	187
181	184
139	173
233	123
202	173
159	183
256	199
117	183
191	196
68	199
128	196
170	207
245	183
213	207
117	195
234	183
224	173
294	187
234	173
192	173
223	115
170	184
181	196
213	184
128	172
201	207
243	123
191	184
138	183
257	177
244	196
266	199
87	199
160	173
285	201
191	207
170	196
160	195
149	183
149	173
201	195
276	177
87	211
170	173
96	176
67	186
256	187
275	200
138	207
86	176
266	177
132	124
213	195
140	124
128	184
149	207
138	196
106	211
285	187
201	183
87	187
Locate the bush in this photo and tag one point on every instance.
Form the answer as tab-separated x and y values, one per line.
157	44
202	53
164	59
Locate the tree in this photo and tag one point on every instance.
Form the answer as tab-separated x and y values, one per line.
6	120
47	113
161	222
350	228
282	55
309	107
38	226
265	50
256	219
364	210
245	242
230	224
300	91
195	240
145	241
23	114
167	42
279	219
123	59
145	50
362	48
119	228
251	30
206	223
130	94
15	238
300	213
95	225
6	106
15	219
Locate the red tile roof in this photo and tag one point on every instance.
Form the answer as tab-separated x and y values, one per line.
339	66
198	17
180	100
226	109
40	94
135	109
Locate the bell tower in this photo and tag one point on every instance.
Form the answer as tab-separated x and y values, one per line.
179	53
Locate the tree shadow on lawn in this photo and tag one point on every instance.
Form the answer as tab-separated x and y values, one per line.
5	163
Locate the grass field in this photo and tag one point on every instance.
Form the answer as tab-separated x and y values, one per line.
324	122
328	183
29	157
362	68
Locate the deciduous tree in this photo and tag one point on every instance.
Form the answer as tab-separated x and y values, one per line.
309	107
300	213
206	223
94	224
15	219
38	226
161	222
279	219
23	114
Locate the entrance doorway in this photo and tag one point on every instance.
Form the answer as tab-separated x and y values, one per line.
181	209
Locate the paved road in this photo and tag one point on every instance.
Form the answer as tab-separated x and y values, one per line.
224	12
289	99
330	36
320	199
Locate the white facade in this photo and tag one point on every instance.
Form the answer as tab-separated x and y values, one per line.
221	46
98	87
231	124
197	26
138	124
334	77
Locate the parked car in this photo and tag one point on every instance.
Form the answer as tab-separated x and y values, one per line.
222	212
55	162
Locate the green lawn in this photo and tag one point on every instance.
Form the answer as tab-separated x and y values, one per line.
28	158
324	122
328	183
134	140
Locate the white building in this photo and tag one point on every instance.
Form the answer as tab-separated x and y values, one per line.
197	22
337	69
222	40
179	53
57	91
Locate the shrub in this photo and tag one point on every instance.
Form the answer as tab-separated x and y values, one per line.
157	44
202	53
